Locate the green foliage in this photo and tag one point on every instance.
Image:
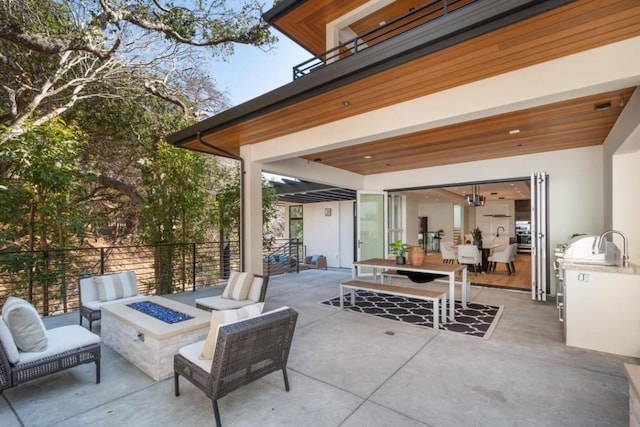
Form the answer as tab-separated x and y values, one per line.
477	234
42	179
398	248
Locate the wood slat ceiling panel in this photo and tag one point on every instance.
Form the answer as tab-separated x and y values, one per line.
568	124
307	24
574	28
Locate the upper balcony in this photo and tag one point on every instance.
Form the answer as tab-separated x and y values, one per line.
379	26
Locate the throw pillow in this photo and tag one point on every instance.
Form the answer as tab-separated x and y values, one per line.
26	327
314	258
115	286
219	318
238	286
11	301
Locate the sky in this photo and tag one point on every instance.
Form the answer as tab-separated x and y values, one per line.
251	72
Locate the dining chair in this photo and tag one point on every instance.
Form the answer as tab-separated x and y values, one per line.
470	255
449	252
500	255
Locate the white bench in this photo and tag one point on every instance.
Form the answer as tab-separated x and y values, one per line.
96	291
439	299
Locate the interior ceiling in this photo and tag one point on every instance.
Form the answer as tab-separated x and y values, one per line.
511	190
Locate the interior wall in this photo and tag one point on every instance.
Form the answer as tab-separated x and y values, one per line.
440	217
411	221
489	224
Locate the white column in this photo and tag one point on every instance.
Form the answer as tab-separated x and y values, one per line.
252	203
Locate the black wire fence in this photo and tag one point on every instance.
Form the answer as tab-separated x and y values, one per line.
50	279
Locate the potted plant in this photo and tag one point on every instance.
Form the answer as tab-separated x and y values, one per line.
477	237
399	249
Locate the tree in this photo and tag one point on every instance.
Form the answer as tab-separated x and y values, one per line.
57	53
40	187
174	181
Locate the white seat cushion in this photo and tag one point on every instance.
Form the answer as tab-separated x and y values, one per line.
26	327
224	317
220	303
7	342
238	286
62	339
192	353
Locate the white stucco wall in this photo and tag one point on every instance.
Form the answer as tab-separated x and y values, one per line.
331	236
626	203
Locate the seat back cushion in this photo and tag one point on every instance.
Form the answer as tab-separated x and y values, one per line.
26	327
10	302
256	288
88	290
238	286
8	344
115	286
223	317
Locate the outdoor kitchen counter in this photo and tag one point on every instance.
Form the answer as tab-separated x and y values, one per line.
569	265
633	376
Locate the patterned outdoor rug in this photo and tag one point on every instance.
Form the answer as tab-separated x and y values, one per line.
478	320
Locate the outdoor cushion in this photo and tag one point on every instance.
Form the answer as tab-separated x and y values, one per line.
256	289
7	342
61	339
238	286
192	353
283	258
115	286
223	317
26	327
314	258
10	302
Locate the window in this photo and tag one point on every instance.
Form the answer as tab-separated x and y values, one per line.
295	222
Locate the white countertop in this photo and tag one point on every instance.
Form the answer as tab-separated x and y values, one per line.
569	265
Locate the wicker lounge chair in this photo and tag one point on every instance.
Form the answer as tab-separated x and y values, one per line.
257	293
69	346
245	351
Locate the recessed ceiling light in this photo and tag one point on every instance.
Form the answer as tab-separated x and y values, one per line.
514	131
367	157
346	103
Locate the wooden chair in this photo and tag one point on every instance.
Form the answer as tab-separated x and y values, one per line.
245	351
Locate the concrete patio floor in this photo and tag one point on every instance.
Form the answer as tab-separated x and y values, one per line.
346	369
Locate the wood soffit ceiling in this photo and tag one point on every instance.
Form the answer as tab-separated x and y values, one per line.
564	125
576	27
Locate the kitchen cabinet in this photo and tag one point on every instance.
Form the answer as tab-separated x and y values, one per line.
602	308
523	210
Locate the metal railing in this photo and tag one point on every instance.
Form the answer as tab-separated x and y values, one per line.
284	258
49	279
424	14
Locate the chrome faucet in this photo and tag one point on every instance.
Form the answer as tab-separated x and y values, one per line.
498	231
625	255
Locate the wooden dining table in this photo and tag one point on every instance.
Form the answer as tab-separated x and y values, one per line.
450	270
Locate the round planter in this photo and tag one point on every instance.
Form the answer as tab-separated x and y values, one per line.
400	260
